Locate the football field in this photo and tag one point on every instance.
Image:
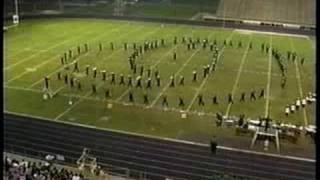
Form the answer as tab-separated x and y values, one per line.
34	49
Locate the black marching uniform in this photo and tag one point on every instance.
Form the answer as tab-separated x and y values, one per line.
131	97
230	99
94	89
194	76
215	100
130	80
200	100
107	94
253	95
171	81
59	75
243	95
121	79
113	78
181	102
46	82
165	101
145	99
158	81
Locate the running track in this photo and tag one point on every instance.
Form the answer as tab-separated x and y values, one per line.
156	157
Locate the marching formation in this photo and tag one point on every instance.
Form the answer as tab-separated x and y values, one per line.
147	78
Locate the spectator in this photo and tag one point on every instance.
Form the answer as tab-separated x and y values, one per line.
25	170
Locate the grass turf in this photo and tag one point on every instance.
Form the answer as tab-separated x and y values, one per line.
33	50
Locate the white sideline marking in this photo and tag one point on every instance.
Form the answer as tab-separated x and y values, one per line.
167	139
80	57
45	50
152	67
205	80
9	27
299	85
76	103
238	75
269	80
168	84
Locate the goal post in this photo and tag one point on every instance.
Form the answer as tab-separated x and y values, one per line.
11	14
15	17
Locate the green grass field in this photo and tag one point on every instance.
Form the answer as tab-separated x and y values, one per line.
33	50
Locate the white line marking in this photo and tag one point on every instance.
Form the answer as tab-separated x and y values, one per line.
45	50
39	65
149	33
205	80
168	84
9	27
33	49
102	100
299	85
269	80
49	60
152	67
76	103
80	57
238	76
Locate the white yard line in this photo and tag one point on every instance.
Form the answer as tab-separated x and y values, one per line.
152	67
80	57
266	113
49	60
23	89
168	84
58	90
45	50
26	72
28	48
299	85
86	95
238	75
206	78
258	72
76	103
151	32
102	100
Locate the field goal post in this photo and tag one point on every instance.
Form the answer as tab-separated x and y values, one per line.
15	17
